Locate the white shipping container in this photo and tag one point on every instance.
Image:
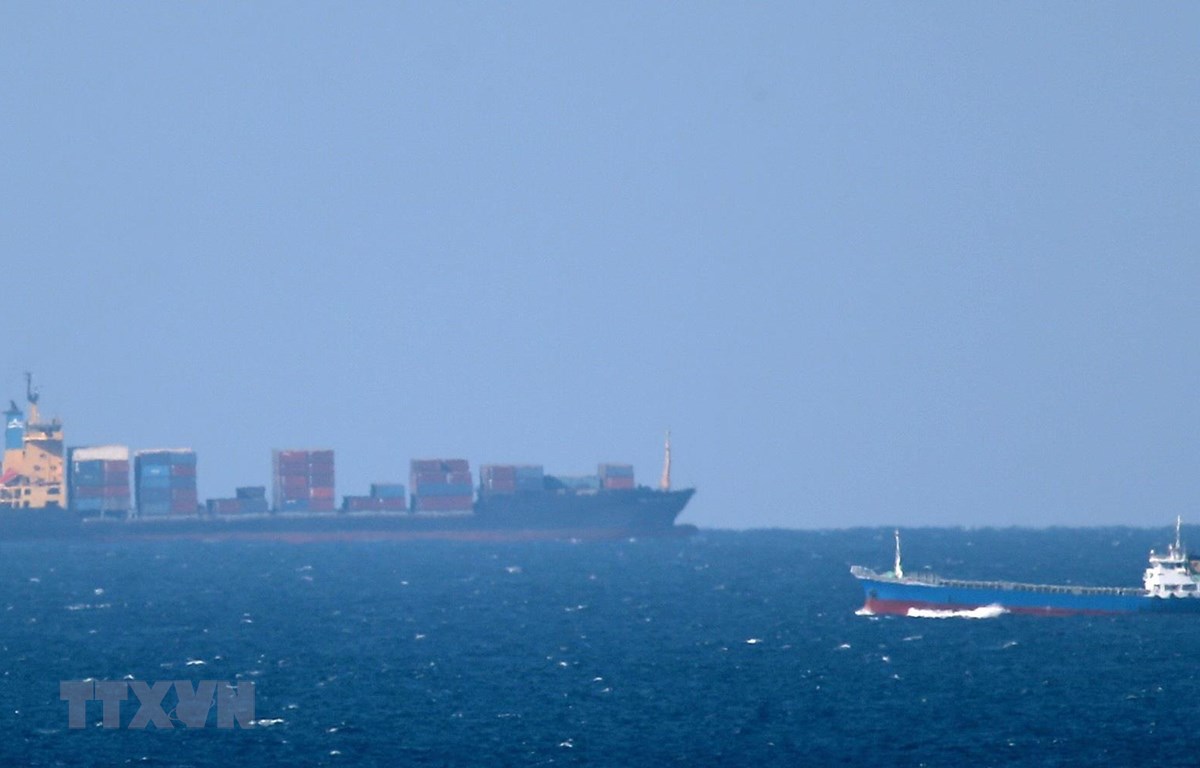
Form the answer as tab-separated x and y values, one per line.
101	453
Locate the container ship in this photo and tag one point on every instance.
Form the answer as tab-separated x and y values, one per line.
48	491
1169	585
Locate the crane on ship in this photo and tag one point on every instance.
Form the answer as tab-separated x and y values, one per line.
664	483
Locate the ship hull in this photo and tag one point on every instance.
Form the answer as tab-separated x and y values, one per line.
611	515
899	597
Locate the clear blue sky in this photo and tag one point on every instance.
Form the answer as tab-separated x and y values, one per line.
875	263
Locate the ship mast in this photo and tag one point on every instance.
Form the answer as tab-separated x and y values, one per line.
31	395
665	482
898	569
1178	543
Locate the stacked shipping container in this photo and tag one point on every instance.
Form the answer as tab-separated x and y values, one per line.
579	482
303	481
441	486
98	480
251	500
616	477
385	497
165	480
511	478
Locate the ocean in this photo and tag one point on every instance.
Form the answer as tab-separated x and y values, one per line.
731	648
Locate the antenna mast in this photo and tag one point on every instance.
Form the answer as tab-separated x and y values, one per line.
31	395
665	482
898	569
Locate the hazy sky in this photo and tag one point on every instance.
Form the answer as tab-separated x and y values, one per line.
916	263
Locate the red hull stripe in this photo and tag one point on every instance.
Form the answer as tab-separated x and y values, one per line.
901	608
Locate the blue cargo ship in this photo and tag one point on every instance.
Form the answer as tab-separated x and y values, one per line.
1170	584
48	491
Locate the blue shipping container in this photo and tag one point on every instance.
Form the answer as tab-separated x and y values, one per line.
153	495
388	490
444	489
154	481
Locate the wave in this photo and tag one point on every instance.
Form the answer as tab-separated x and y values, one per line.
983	612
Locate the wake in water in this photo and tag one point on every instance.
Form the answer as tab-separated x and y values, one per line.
983	612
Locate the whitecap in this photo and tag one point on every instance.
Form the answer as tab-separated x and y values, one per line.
844	647
267	722
983	612
864	612
753	641
195	663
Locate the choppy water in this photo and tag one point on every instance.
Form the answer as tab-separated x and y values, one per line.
729	648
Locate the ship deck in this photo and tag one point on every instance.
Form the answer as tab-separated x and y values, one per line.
932	580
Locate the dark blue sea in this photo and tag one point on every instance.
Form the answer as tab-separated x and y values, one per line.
723	649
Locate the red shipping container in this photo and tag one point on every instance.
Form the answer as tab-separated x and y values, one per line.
325	479
88	491
393	504
294	482
498	472
325	492
117	466
459	478
317	457
427	478
618	483
183	470
284	470
292	456
321	505
456	465
425	465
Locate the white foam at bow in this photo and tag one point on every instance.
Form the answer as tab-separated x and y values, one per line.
983	612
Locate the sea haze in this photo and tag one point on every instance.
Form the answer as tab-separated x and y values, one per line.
738	647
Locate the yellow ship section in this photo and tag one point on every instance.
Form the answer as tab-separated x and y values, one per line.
32	476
